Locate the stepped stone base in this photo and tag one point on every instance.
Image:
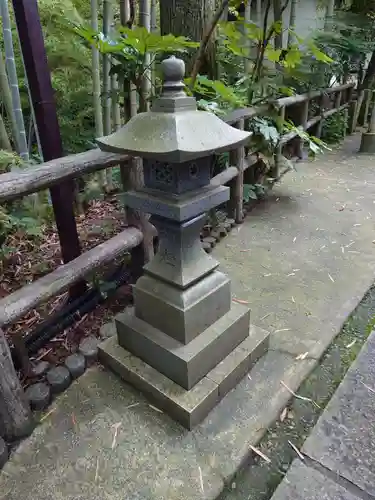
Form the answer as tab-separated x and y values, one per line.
189	407
185	364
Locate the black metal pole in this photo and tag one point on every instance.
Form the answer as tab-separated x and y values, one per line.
41	91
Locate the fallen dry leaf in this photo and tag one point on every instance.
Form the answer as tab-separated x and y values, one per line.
303	356
240	301
260	454
351	344
283	414
297	396
296	450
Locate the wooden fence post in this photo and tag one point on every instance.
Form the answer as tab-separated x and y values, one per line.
319	126
304	120
237	158
131	178
15	415
338	99
365	117
352	116
275	171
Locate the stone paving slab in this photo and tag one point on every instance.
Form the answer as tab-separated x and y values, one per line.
305	257
343	440
305	483
73	454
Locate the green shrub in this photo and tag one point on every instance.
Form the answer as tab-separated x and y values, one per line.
333	130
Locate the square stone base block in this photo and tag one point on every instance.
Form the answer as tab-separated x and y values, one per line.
182	314
185	364
189	407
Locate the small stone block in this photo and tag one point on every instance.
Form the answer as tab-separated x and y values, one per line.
89	348
206	247
209	240
76	365
108	330
187	407
38	395
216	234
222	230
367	143
40	369
232	222
239	362
58	378
3	452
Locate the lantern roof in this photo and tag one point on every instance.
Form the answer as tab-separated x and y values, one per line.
174	130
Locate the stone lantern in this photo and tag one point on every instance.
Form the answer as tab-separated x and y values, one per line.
185	344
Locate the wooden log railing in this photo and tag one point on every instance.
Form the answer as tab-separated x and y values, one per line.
19	183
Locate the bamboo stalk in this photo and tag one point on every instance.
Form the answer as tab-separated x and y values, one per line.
154	29
4	138
115	87
259	12
248	41
95	70
6	98
292	22
107	126
10	64
145	21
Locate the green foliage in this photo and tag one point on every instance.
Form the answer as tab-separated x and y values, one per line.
314	144
253	192
8	160
333	129
129	47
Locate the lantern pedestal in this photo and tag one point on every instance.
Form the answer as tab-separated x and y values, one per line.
185	344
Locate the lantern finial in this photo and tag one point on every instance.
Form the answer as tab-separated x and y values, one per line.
173	70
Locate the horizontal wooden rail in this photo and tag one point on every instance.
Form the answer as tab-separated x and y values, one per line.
300	98
247	113
31	179
18	303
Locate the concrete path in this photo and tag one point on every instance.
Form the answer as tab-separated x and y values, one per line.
302	260
339	456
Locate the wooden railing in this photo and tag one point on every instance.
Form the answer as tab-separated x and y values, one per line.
20	183
17	184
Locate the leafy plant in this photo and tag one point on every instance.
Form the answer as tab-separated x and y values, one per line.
128	48
333	129
253	192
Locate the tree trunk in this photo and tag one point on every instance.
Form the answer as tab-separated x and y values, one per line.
15	415
189	18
